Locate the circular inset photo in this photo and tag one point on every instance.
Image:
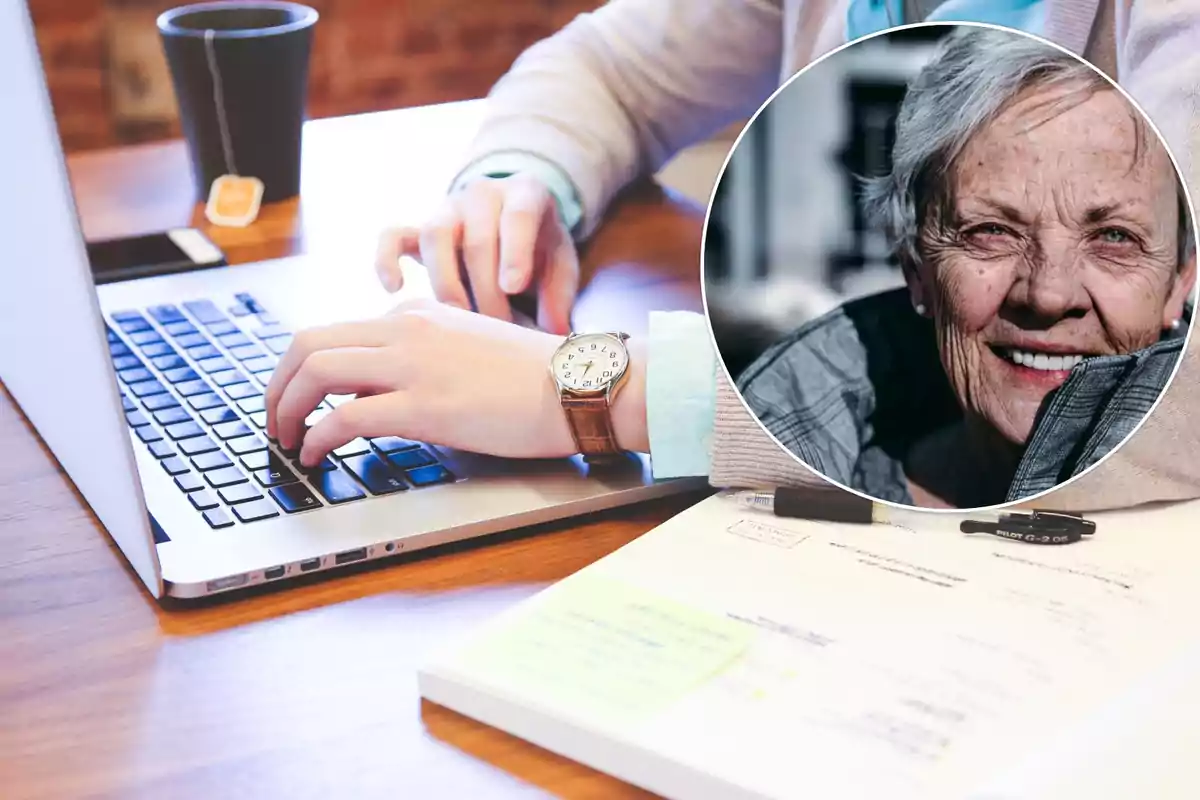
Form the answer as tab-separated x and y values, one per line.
950	266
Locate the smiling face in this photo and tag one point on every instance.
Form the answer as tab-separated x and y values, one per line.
1058	241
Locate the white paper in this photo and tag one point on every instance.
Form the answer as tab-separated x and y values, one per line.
896	661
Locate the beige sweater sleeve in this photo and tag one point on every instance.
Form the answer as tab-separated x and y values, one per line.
744	456
617	92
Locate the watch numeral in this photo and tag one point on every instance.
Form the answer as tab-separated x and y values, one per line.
614	365
593	347
566	374
606	374
587	383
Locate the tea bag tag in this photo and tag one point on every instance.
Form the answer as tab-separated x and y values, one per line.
233	201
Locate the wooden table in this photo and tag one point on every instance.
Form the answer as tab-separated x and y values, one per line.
306	691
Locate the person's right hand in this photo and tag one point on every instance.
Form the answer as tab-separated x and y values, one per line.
491	239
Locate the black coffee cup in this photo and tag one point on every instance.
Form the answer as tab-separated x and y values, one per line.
240	71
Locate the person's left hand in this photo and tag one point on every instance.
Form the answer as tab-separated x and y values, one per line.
428	372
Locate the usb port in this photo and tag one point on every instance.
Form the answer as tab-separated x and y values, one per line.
350	555
273	573
310	565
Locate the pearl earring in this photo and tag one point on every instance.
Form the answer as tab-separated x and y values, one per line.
920	309
1175	323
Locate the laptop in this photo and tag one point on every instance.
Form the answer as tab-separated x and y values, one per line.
149	394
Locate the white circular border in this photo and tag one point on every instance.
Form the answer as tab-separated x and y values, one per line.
887	31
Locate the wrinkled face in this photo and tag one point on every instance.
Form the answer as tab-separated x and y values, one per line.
1059	242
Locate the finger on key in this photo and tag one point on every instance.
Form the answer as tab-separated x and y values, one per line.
523	214
346	370
438	242
370	333
366	417
481	252
393	245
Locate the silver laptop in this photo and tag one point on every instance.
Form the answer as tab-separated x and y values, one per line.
149	393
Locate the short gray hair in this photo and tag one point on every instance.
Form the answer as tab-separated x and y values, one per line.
975	74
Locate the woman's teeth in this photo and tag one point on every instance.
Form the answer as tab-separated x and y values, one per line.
1042	361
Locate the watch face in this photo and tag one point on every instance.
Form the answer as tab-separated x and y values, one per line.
589	362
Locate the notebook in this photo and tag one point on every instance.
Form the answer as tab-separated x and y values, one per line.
730	654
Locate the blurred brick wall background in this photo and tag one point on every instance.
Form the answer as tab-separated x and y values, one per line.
109	84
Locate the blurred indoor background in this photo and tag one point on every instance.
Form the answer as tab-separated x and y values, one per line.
109	82
786	240
110	87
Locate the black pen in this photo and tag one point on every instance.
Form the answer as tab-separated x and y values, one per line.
1036	527
830	504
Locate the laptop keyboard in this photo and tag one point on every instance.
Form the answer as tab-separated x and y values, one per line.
192	378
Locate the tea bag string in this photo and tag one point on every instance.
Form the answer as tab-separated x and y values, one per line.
219	99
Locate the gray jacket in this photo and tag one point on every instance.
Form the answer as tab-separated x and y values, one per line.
851	392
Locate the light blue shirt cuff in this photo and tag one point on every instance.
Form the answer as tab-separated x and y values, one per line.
501	165
865	17
681	393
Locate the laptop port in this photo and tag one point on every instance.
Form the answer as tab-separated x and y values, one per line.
221	584
272	573
310	565
350	555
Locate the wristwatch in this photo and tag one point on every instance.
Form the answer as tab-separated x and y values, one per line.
589	369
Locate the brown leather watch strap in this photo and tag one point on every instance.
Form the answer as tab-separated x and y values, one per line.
591	425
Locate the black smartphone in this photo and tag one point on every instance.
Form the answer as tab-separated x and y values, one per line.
163	253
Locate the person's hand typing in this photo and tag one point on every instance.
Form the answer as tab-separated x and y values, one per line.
492	239
436	374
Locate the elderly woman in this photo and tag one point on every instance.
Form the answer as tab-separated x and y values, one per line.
677	405
1046	245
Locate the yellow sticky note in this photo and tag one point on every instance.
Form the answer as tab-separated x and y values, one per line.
596	646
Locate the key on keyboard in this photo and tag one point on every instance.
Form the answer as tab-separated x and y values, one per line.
204	311
411	459
166	314
181	375
256	510
427	476
221	327
252	405
228	476
158	349
196	446
189	482
228	377
184	430
169	362
174	465
274	475
240	391
375	474
219	414
203	500
171	416
177	329
246	444
161	449
211	460
336	486
231	430
239	493
135	375
203	402
218	518
295	497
